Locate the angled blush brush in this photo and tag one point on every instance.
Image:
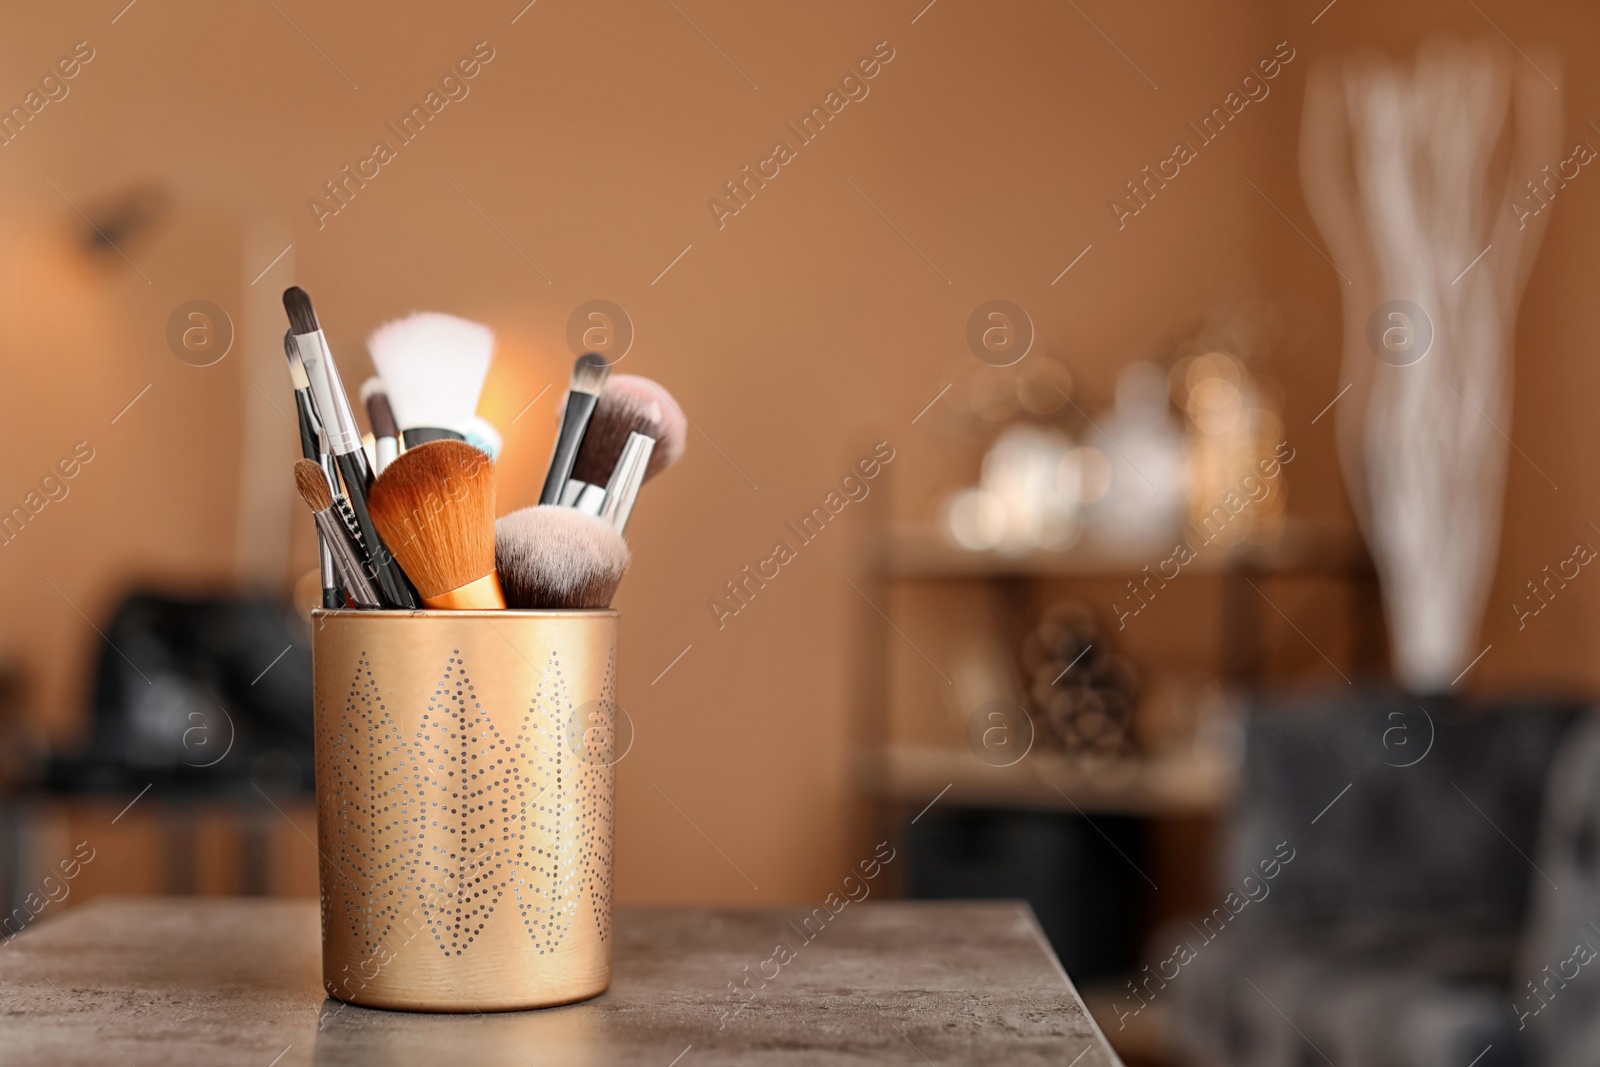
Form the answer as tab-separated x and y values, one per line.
344	439
588	378
434	507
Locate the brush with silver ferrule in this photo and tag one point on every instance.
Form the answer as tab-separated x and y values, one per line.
588	378
312	481
344	441
628	404
310	433
623	488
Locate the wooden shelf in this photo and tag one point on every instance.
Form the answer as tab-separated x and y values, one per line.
922	551
1166	785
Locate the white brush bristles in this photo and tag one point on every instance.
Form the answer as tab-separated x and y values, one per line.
551	557
433	367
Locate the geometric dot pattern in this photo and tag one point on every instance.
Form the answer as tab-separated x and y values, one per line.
470	813
375	800
595	799
548	882
469	787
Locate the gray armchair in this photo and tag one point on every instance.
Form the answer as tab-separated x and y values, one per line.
1391	937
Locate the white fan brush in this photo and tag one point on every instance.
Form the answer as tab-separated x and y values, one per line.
433	367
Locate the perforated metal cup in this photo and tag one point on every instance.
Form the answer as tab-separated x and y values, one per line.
464	800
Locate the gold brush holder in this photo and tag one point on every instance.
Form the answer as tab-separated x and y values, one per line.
464	800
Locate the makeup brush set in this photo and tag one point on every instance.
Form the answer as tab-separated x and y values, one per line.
407	519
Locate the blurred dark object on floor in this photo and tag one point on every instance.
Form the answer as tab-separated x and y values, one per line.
1390	937
1082	890
1081	693
22	745
202	695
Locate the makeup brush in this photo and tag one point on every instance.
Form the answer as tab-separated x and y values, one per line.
623	488
305	407
344	439
555	557
385	432
310	433
631	404
312	481
435	509
588	378
628	404
481	433
433	367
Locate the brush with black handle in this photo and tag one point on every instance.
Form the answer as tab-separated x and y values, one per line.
310	432
588	378
628	405
312	481
344	441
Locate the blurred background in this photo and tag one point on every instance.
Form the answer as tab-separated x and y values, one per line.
1219	579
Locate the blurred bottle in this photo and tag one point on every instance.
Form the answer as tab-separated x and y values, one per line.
1143	509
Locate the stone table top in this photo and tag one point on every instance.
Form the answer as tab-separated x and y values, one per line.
180	981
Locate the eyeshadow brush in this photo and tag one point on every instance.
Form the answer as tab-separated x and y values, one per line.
310	448
344	441
312	481
588	378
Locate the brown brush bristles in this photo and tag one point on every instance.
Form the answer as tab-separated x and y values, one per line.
312	482
648	395
618	414
553	558
434	509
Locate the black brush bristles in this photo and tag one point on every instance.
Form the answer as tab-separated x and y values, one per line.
302	316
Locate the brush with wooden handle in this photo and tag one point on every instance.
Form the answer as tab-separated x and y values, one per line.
434	507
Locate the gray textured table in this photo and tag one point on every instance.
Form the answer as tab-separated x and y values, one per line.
174	982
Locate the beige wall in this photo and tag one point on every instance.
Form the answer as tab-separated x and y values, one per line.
796	335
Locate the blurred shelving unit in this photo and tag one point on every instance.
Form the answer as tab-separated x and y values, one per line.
1190	782
922	553
1163	785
